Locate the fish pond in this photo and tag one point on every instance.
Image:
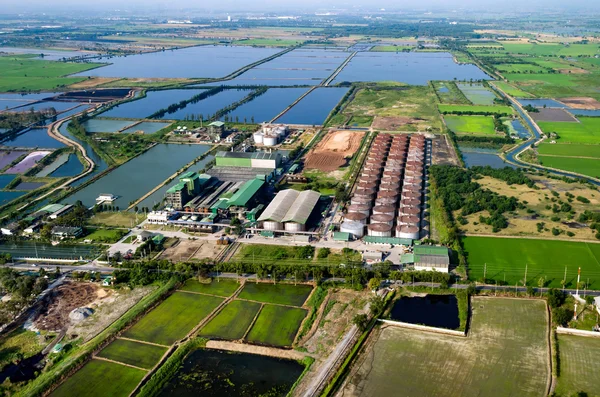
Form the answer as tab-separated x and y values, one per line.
106	125
208	106
146	127
8	156
482	157
7	196
540	103
432	310
100	165
71	168
49	55
314	108
151	103
215	373
38	106
478	94
268	105
35	137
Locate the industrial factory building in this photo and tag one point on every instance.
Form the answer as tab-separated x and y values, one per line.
289	211
271	134
243	166
189	186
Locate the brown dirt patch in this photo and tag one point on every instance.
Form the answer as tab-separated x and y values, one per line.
333	150
442	152
581	103
192	249
94	82
573	71
552	114
393	123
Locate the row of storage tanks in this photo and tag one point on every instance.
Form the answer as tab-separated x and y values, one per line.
270	135
387	200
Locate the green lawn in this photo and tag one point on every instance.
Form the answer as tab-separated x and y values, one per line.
507	110
579	365
276	326
590	167
19	343
173	318
471	125
133	353
586	131
506	259
512	90
105	235
220	288
282	294
505	354
100	378
569	150
390	48
232	322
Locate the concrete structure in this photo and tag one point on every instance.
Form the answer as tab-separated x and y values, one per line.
246	159
63	232
189	186
10	229
379	230
356	229
289	210
430	257
216	130
158	217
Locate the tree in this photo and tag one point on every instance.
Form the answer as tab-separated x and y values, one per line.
377	304
374	283
555	298
562	315
530	290
323	253
361	321
589	300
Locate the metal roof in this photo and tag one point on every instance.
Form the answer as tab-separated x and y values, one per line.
246	192
432	260
291	206
216	124
407	259
265	155
431	250
387	240
341	236
179	186
279	206
52	208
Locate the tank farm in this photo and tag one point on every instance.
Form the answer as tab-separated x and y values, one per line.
388	197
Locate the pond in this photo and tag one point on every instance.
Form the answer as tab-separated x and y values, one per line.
314	108
203	61
100	164
5	180
432	310
49	55
268	105
478	94
520	129
29	97
71	168
138	176
106	125
584	112
482	157
54	165
208	106
27	186
151	103
58	106
8	156
35	137
416	68
146	127
49	251
215	373
540	103
6	196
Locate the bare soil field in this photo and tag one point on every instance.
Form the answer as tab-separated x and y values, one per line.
394	123
443	152
581	103
192	249
553	114
94	82
333	150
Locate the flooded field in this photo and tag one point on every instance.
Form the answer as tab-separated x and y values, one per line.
432	310
54	165
482	157
154	101
185	63
49	55
416	68
35	137
71	168
8	156
314	108
208	106
550	103
58	106
215	373
478	94
268	105
7	196
27	163
139	175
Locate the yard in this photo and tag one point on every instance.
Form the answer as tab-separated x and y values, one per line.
105	235
117	219
579	366
280	294
471	125
133	353
276	326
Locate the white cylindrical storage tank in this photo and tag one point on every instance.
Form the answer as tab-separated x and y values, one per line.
294	227
388	194
379	230
389	187
382	218
370	193
357	200
360	208
411	232
409	220
272	225
384	209
270	140
356	217
357	229
258	137
411	195
410	203
410	211
386	201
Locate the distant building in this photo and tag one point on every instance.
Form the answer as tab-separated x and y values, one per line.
143	236
189	186
34	228
289	210
105	198
63	211
431	257
63	232
158	217
216	130
11	229
248	159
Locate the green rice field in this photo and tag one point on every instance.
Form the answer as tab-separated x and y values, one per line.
589	167
505	354
133	353
281	294
512	90
478	94
569	150
471	125
173	318
232	322
276	326
551	49
506	258
520	68
579	365
223	288
506	110
100	378
586	131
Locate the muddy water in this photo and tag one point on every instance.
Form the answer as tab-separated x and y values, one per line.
432	310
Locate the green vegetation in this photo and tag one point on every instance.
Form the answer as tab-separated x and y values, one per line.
232	322
550	49
271	254
477	93
126	219
448	93
569	150
472	110
18	345
133	353
586	131
472	125
276	325
220	288
578	365
315	301
391	48
512	90
590	167
173	318
105	235
268	42
101	378
281	294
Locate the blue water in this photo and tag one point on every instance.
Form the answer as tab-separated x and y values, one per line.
29	97
474	157
268	105
102	125
5	179
584	112
154	101
59	106
416	68
71	168
314	108
522	131
10	103
203	61
443	90
208	106
49	55
147	127
100	164
6	196
550	103
35	137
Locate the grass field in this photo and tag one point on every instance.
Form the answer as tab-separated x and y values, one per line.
586	131
105	235
551	49
512	90
476	109
471	125
579	365
506	259
19	343
449	93
276	325
133	353
281	294
220	288
556	85
101	378
590	167
232	322
505	354
117	219
390	48
569	150
520	68
173	318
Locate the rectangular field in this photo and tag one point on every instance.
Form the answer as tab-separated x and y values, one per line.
505	110
281	294
512	90
276	326
586	131
334	150
173	318
506	259
133	353
579	365
471	125
505	354
478	94
232	322
220	288
100	378
550	114
569	150
590	167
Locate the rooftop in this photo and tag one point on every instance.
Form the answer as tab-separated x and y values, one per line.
248	155
246	192
387	240
291	206
179	186
216	124
431	250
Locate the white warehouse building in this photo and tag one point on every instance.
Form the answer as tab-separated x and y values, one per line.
289	210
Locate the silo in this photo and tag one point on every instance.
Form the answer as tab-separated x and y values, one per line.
384	209
379	230
385	201
390	187
361	201
392	173
409	220
410	203
294	227
270	140
367	185
370	193
359	208
356	217
258	137
411	232
272	225
391	180
382	218
388	194
410	211
413	172
411	195
357	229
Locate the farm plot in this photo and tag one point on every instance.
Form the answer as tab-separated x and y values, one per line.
505	354
276	325
232	322
569	150
101	378
334	150
505	259
133	353
579	365
280	294
220	288
583	166
512	90
173	318
581	103
552	114
586	131
466	109
478	94
471	125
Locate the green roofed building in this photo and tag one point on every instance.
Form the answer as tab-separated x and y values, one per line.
387	240
341	236
264	160
431	257
189	186
247	195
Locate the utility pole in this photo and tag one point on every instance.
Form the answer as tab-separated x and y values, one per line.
526	275
578	278
565	279
484	271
